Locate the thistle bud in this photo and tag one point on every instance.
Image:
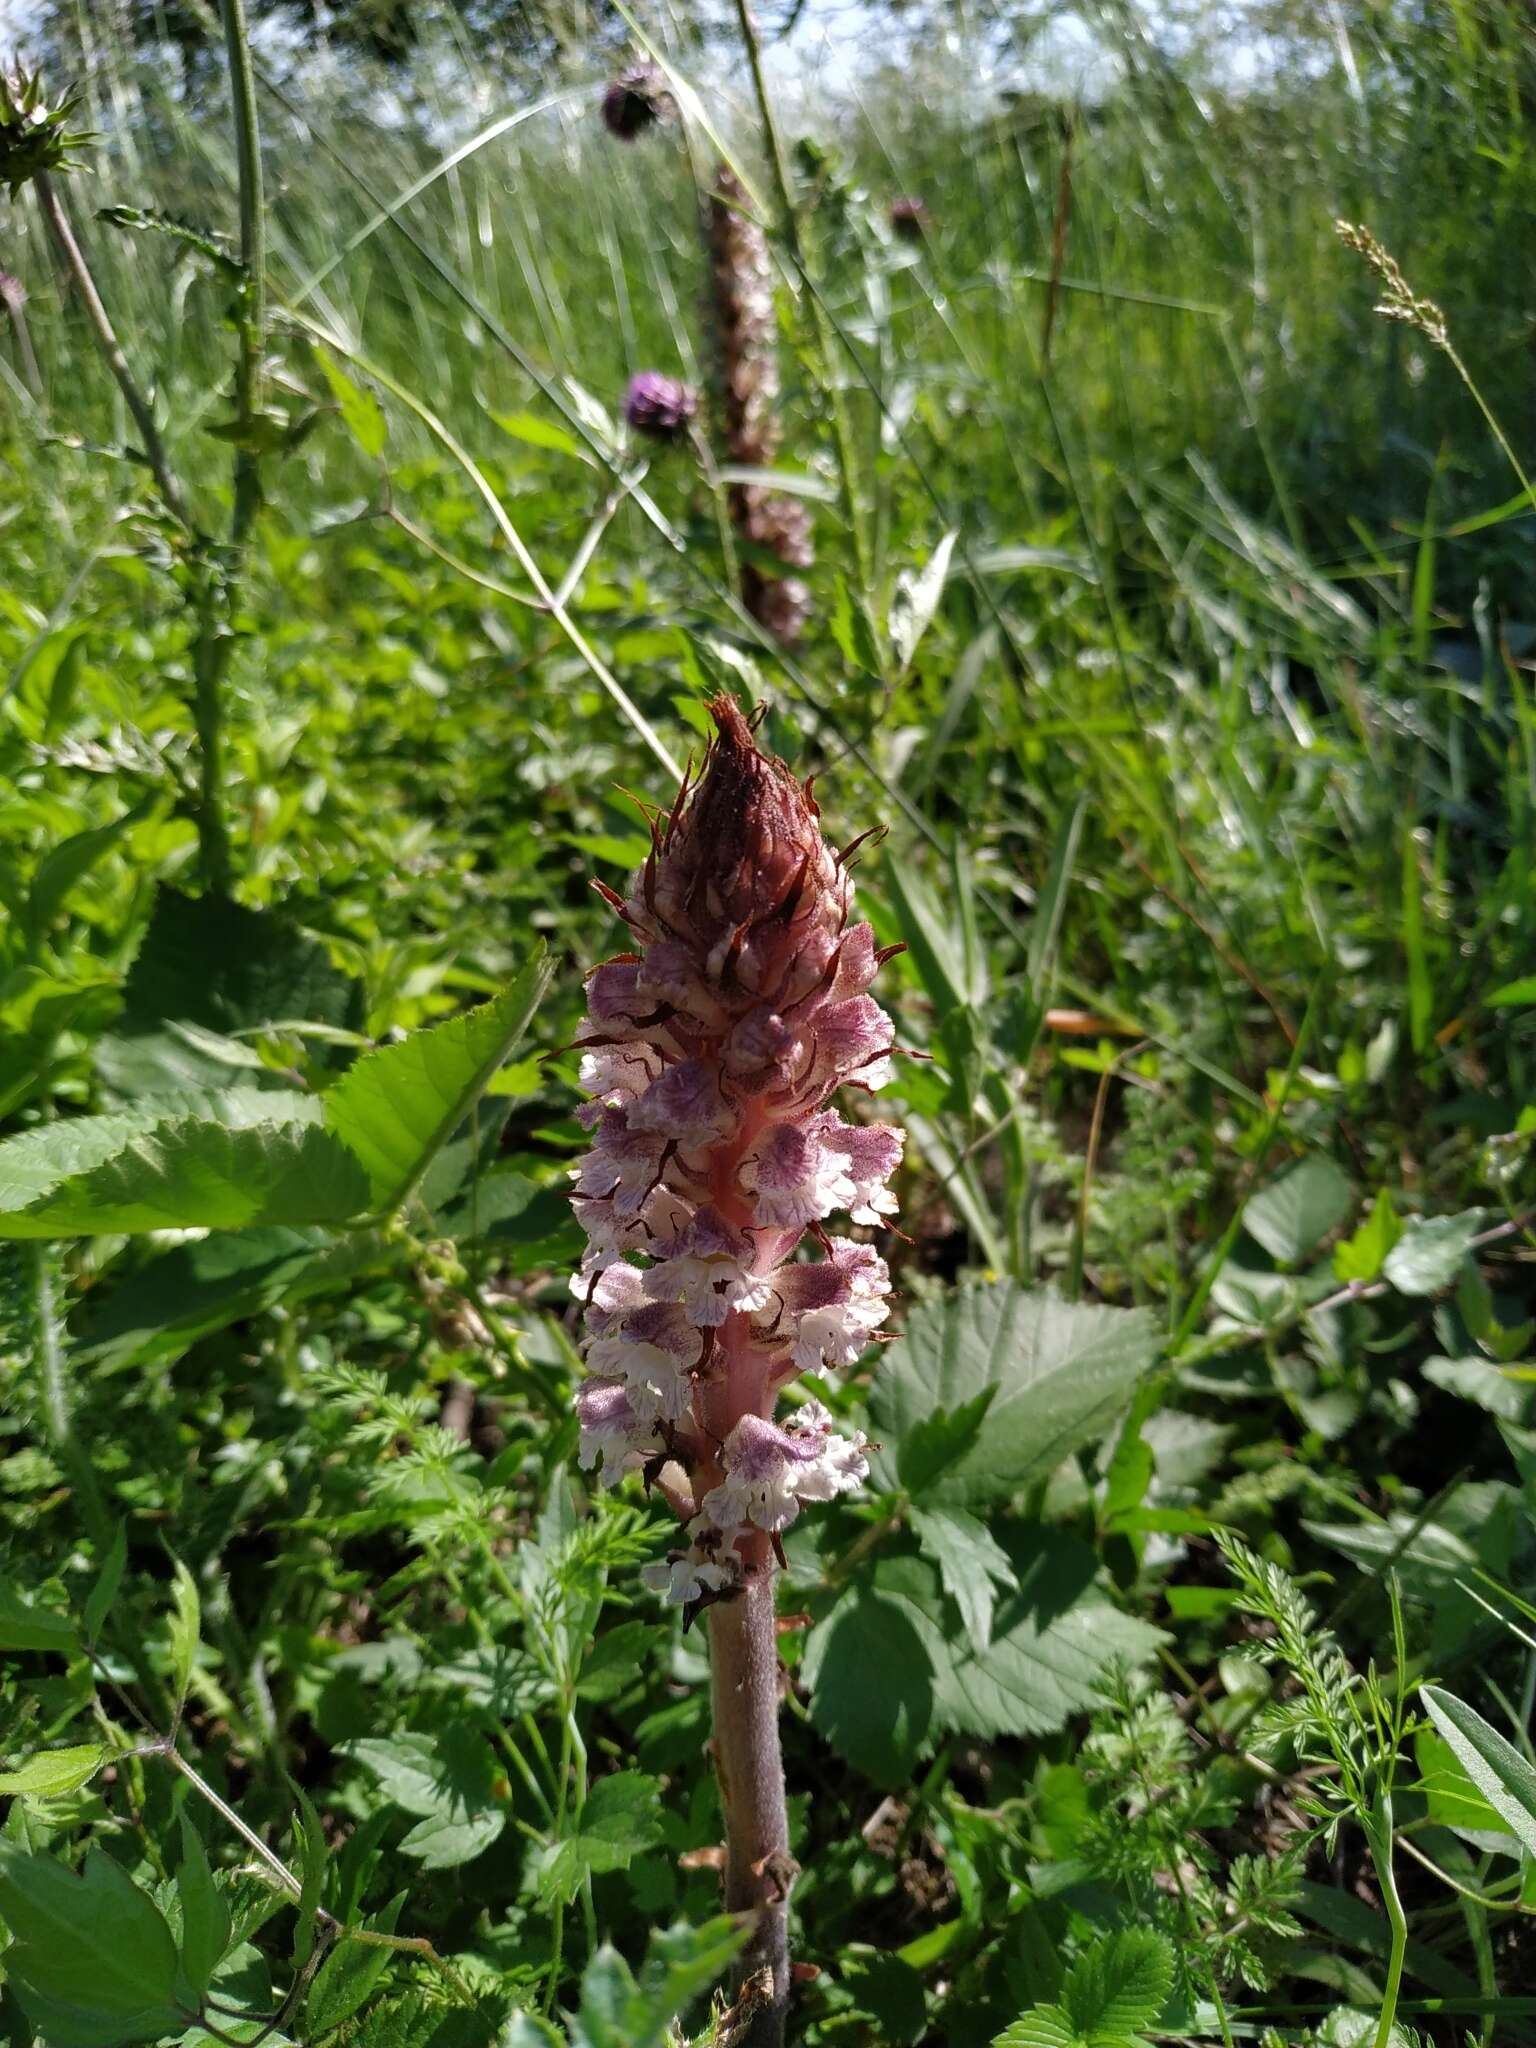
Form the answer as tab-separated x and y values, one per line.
34	135
711	1052
775	528
635	101
659	407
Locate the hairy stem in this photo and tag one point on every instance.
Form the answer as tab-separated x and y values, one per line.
744	1661
111	348
57	1406
251	317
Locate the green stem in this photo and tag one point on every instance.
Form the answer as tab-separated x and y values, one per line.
251	317
53	1376
111	348
1379	1838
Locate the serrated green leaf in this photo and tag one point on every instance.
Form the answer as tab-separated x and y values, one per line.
91	1958
69	862
1505	1778
621	1819
971	1564
90	1175
205	1919
53	1772
397	1106
1121	1984
1046	2027
871	1677
1061	1372
1427	1256
312	1862
1298	1209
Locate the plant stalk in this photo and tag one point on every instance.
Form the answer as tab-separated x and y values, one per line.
1379	1837
111	348
744	1675
251	319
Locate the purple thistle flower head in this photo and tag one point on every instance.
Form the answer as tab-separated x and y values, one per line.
659	406
909	219
636	100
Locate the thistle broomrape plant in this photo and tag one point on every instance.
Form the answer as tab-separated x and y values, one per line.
711	1052
771	525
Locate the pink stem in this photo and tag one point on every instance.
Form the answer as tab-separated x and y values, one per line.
744	1659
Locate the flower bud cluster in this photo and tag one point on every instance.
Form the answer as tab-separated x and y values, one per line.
710	1053
771	524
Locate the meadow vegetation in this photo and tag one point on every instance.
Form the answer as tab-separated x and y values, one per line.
1171	1674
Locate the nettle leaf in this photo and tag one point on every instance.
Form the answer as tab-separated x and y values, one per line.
1427	1257
891	1664
396	1107
347	1977
52	1773
1298	1209
621	1819
88	1175
91	1958
70	862
224	968
1057	1374
1505	1778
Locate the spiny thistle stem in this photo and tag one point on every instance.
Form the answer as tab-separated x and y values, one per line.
711	1051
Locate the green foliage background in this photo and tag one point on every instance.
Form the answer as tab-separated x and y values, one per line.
1185	653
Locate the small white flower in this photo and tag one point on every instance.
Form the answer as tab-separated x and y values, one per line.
796	1176
708	1268
686	1576
610	1428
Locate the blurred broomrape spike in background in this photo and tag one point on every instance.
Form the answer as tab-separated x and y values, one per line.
769	523
710	1054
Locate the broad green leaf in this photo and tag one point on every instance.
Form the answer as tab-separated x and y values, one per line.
227	969
69	862
397	1106
916	599
890	1666
361	412
445	1840
1061	1372
1514	993
1450	1795
98	1604
447	1788
971	1564
1362	1256
91	1958
1122	1983
938	1441
24	1626
1298	1209
186	1628
1427	1256
871	1679
1504	1777
540	433
622	2010
86	1176
205	1920
621	1819
53	1772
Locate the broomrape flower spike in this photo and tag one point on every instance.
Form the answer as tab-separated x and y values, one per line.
660	407
637	99
711	1052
